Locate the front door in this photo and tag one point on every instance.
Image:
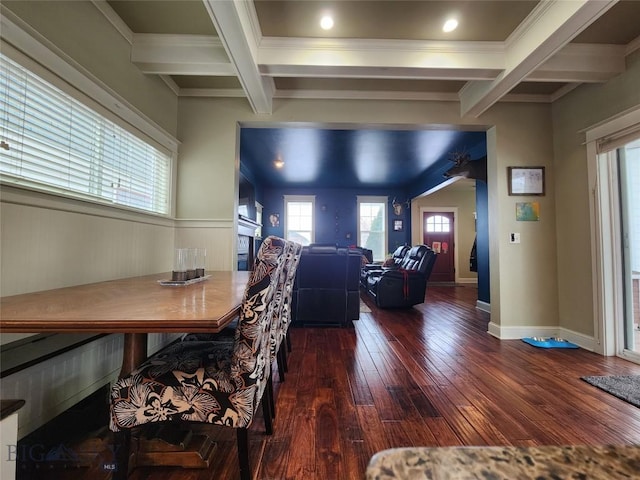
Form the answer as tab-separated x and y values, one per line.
438	234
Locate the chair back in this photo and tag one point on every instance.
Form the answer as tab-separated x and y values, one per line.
414	256
251	357
399	254
282	297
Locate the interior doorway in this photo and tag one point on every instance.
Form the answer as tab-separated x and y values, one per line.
438	231
613	151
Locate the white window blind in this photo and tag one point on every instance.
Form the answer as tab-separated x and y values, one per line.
53	142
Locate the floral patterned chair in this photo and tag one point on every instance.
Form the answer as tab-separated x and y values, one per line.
282	311
219	383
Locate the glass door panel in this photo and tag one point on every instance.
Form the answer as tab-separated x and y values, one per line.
629	169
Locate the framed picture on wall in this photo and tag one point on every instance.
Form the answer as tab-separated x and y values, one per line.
526	180
397	225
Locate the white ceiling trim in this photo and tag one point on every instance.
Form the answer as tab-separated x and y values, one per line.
205	55
359	95
180	55
391	73
632	46
550	26
303	53
537	50
212	92
114	19
170	83
561	92
366	95
235	25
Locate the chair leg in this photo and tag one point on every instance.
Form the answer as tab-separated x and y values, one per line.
269	392
268	408
243	453
281	364
288	337
284	358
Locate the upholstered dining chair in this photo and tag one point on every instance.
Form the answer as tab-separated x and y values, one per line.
282	310
219	383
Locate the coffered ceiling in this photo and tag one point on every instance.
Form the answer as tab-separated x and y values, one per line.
264	50
534	51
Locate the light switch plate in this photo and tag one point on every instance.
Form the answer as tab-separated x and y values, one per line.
514	238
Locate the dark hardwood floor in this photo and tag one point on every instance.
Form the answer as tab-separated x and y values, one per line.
429	376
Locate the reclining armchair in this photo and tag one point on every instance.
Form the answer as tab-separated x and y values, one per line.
376	268
406	285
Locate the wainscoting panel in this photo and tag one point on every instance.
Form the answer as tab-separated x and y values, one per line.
49	388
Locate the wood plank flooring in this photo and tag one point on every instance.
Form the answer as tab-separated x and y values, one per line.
430	376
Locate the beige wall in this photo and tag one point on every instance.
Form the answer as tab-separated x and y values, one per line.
48	242
582	108
464	200
527	294
524	287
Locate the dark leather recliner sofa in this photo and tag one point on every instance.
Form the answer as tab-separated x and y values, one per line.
403	285
326	289
397	256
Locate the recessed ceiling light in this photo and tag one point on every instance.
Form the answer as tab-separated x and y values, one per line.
326	22
450	25
278	162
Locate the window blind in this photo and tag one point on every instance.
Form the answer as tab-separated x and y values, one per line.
53	142
618	139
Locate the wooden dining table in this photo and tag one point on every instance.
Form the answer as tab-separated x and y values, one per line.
133	306
136	307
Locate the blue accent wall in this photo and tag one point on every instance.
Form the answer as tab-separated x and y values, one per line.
482	243
336	215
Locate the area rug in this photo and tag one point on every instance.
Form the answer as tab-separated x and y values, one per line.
625	387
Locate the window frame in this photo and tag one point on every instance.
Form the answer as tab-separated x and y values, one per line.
383	200
47	65
300	199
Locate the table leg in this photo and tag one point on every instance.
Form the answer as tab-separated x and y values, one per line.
134	352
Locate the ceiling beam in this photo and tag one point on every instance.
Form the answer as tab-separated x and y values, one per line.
549	27
380	58
237	26
583	63
167	54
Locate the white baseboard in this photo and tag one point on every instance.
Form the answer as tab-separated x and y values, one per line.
484	306
513	333
467	281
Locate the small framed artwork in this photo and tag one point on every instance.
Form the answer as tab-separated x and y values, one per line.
397	225
526	180
527	211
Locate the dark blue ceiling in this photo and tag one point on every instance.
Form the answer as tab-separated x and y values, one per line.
350	158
